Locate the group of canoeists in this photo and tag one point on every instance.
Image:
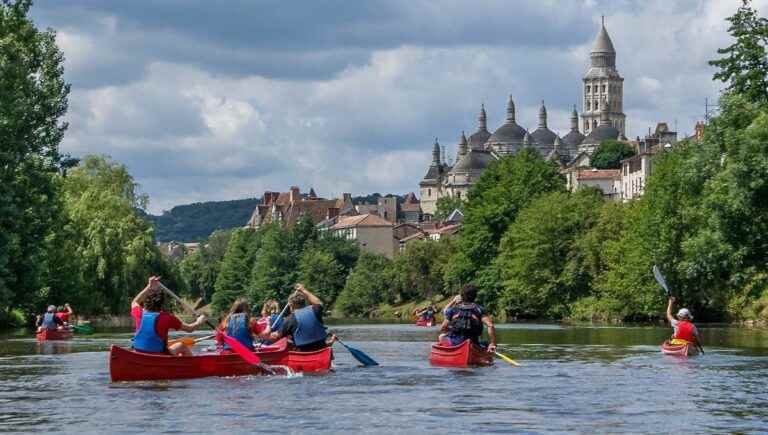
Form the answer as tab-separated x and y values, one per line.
54	318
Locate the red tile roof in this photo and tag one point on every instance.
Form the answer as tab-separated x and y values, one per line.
363	220
595	174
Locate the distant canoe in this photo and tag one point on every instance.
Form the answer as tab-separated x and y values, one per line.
425	322
54	334
466	354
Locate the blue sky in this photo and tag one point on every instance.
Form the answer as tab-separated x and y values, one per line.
222	100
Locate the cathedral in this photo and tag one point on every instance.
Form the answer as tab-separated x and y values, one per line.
602	118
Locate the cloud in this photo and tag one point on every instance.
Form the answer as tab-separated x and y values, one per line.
210	103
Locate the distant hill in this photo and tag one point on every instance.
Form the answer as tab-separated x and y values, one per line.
195	222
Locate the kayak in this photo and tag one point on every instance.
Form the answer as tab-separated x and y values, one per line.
425	322
685	349
54	334
466	354
128	365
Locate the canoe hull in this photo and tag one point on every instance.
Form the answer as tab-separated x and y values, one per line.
424	322
682	350
50	334
127	365
466	354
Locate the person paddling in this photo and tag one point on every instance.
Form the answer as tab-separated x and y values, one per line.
270	321
464	320
685	332
427	314
153	323
304	325
64	313
49	320
238	324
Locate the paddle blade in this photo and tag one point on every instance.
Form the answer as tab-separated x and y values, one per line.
240	349
188	341
660	279
82	329
360	356
507	359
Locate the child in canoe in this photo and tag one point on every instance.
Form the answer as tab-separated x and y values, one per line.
153	323
239	325
684	331
270	321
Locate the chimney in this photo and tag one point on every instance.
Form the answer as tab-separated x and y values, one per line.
347	197
294	197
268	198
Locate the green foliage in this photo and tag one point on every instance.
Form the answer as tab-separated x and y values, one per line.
745	64
366	287
200	269
536	249
446	205
320	272
418	272
610	153
235	269
196	222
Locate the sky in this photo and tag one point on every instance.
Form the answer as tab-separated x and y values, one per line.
224	100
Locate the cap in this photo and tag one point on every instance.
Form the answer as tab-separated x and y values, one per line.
684	314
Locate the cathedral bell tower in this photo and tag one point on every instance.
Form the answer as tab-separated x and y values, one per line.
602	82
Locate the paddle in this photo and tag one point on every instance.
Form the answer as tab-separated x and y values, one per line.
240	349
663	283
507	359
359	355
82	329
279	316
189	341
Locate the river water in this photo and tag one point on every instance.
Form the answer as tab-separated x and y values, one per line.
572	379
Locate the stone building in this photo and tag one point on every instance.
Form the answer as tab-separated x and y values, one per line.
286	208
370	231
602	118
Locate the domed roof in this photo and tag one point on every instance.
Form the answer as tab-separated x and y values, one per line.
474	161
573	138
601	133
543	135
603	43
509	132
478	139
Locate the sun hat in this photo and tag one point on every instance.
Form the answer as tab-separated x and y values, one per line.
684	314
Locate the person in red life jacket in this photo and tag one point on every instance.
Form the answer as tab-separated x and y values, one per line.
270	321
153	323
64	313
49	320
684	330
304	325
239	325
464	320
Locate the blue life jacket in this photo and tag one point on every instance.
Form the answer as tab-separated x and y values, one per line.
147	338
308	329
49	321
237	328
275	325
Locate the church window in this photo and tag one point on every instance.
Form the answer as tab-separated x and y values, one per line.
586	125
429	192
458	195
603	89
587	88
594	123
588	106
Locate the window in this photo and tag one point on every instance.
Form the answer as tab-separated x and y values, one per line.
602	88
429	192
587	89
458	195
588	106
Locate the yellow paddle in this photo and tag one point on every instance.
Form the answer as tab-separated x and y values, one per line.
507	359
189	341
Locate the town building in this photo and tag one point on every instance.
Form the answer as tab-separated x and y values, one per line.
371	232
286	208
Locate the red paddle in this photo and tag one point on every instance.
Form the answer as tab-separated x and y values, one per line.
245	353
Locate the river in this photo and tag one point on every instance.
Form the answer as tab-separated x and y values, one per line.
572	379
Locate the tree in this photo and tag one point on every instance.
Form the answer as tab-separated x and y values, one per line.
32	106
446	205
234	274
275	269
201	268
366	286
418	272
745	64
610	153
535	251
322	274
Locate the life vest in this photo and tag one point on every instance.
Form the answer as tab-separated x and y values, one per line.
428	315
684	331
465	321
238	328
64	316
308	329
275	322
147	339
48	321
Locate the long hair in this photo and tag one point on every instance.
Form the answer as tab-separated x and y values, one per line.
239	306
270	307
154	301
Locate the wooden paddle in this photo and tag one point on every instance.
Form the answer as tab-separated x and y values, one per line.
189	341
245	353
507	359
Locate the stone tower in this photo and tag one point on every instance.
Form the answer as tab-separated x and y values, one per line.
603	82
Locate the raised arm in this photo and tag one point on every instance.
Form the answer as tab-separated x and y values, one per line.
488	322
69	309
669	309
138	301
311	298
190	327
456	300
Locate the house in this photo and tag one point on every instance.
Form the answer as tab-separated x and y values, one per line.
371	232
386	207
286	208
411	209
603	179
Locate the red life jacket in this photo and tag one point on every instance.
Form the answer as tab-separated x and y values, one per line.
684	331
63	315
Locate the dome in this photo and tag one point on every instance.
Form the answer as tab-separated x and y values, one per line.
509	132
543	135
601	133
573	138
473	161
478	139
603	43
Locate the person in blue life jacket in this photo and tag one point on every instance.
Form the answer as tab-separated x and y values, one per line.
464	320
49	320
239	325
428	313
270	321
153	322
304	326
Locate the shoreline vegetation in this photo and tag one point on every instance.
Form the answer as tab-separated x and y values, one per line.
71	229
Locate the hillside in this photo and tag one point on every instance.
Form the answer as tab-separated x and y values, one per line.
195	222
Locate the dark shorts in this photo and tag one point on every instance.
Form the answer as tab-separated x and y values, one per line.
311	347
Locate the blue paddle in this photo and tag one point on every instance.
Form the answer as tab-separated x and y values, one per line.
359	355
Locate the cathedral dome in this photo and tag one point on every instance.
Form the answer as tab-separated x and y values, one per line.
509	132
478	139
601	133
543	136
474	161
574	137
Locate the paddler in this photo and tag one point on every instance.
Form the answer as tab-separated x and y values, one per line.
685	332
464	320
270	321
427	314
304	325
238	323
153	323
49	320
64	313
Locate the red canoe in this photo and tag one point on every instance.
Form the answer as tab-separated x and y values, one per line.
54	334
687	349
425	322
127	365
466	354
